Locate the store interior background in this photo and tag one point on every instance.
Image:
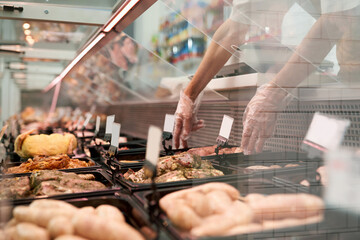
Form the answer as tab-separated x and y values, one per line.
136	106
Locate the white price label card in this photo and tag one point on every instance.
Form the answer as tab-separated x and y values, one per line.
115	133
169	123
326	132
109	122
343	179
226	126
97	126
88	116
78	124
153	145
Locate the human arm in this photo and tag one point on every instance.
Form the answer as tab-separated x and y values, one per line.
217	54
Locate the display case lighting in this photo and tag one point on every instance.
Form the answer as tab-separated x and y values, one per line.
121	13
74	62
26	25
27	32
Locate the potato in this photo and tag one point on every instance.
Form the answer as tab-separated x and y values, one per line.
60	226
29	231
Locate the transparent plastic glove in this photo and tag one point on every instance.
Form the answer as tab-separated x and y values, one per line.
260	116
186	120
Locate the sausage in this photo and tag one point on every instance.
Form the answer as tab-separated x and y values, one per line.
29	231
40	216
69	237
279	206
100	228
110	212
60	226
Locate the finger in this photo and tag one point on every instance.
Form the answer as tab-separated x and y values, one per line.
247	131
184	143
253	138
199	124
177	131
187	126
260	144
244	144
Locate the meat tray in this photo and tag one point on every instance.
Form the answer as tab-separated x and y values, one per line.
100	176
14	164
294	180
241	162
136	150
133	213
230	173
336	224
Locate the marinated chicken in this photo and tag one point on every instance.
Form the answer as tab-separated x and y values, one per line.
176	168
61	161
47	183
217	209
27	145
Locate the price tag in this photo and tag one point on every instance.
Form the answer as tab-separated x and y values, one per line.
226	126
3	130
325	132
169	123
153	145
109	122
78	125
115	133
88	116
97	126
343	169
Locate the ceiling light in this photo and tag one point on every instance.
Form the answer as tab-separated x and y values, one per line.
74	62
27	32
121	13
26	25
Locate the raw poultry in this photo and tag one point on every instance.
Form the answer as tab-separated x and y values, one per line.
218	209
176	168
61	161
54	219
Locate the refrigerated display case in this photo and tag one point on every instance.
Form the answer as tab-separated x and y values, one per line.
137	69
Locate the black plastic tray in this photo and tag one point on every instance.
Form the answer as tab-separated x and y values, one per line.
294	179
336	223
100	175
96	166
136	150
241	162
229	174
263	156
133	213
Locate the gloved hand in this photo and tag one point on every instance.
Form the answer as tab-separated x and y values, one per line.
260	115
186	120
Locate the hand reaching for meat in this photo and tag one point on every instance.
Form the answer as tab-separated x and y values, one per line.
186	120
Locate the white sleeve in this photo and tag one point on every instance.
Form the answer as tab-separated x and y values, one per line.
240	11
331	6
